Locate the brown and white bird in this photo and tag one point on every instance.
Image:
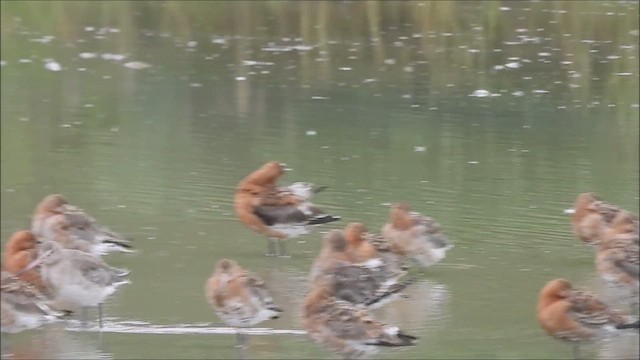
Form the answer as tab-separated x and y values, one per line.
414	236
277	212
23	306
370	284
19	252
346	328
577	316
591	217
55	219
239	298
617	260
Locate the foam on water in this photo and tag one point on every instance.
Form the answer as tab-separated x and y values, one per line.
141	327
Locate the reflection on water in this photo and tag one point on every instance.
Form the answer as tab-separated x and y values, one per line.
489	116
53	342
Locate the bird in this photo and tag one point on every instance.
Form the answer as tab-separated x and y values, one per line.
75	278
278	212
55	219
239	298
363	246
19	252
346	328
617	260
23	306
576	315
412	235
368	284
591	217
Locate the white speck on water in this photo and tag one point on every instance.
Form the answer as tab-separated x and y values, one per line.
114	129
526	126
241	78
613	57
252	62
537	91
419	148
504	8
220	41
51	65
319	98
544	54
433	108
634	105
24	61
408	68
480	93
65	125
415	105
569	211
324	147
344	68
406	96
87	55
498	67
473	162
389	61
518	93
107	77
3	63
311	133
512	65
473	51
89	28
195	85
562	107
624	74
43	40
24	119
89	105
115	57
369	80
137	65
10	190
566	62
192	43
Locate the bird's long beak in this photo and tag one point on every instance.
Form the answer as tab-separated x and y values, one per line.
317	189
35	262
285	167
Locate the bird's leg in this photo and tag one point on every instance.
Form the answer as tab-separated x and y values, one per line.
576	351
282	248
84	316
241	339
271	251
5	345
100	315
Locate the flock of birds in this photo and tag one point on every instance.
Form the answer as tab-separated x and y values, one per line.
56	268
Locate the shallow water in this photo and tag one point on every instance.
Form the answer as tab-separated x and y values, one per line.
490	117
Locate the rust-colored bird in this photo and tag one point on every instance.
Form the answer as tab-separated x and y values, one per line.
278	212
55	219
591	217
414	236
576	316
239	298
19	252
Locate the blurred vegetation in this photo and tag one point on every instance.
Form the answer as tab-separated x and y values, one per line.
454	40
